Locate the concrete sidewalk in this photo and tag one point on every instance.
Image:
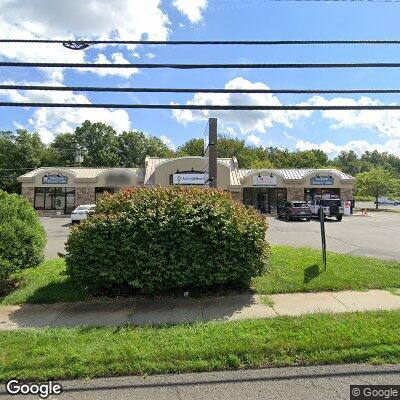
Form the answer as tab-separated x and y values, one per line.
161	311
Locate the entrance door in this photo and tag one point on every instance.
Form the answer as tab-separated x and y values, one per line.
263	202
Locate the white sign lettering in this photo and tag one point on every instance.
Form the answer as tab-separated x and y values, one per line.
188	179
264	180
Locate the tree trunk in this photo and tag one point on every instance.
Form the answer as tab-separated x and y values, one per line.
376	199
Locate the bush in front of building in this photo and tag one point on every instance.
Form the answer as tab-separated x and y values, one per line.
168	239
22	237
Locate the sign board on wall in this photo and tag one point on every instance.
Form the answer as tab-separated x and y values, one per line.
264	180
188	179
55	180
322	180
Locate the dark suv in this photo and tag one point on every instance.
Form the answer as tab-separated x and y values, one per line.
294	210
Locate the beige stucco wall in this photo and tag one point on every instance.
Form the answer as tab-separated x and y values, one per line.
163	171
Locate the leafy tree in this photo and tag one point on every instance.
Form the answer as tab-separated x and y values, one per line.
64	150
193	147
377	182
133	147
99	143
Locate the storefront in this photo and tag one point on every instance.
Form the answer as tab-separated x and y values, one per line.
60	190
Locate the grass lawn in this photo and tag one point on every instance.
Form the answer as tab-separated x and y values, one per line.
45	284
291	270
39	354
300	270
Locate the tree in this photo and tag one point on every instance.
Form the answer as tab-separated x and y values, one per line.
64	150
99	143
376	182
193	147
133	147
19	152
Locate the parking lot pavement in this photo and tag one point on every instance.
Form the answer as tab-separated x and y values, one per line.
375	235
57	229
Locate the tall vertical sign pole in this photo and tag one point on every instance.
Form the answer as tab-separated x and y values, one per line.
212	152
323	237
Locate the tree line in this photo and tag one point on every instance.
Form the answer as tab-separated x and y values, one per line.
99	145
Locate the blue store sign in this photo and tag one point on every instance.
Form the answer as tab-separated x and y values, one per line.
55	180
322	180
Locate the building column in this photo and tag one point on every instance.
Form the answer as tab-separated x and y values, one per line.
346	194
29	194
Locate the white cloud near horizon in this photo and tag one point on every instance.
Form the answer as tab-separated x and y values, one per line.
48	122
192	9
391	146
246	122
168	142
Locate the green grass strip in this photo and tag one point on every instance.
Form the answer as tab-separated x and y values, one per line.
38	354
294	269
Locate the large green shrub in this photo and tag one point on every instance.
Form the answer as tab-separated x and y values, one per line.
22	238
166	239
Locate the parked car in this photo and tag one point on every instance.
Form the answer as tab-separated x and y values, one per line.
82	212
387	201
332	208
294	210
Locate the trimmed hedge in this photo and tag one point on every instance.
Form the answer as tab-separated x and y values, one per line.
156	240
22	237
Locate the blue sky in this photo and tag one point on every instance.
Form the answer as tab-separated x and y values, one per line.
331	131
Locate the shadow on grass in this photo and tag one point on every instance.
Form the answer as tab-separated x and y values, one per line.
311	273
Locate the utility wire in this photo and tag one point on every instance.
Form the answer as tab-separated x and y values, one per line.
203	66
194	90
205	106
210	42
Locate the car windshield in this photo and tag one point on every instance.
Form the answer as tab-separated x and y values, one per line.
85	208
331	202
299	204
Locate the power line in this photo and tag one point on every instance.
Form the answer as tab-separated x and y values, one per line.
203	66
194	90
211	42
206	106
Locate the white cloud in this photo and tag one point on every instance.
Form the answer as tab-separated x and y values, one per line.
168	142
117	58
384	122
245	121
49	122
253	139
76	19
392	146
192	9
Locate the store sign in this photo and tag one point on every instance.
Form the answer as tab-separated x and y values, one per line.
264	180
188	179
322	180
55	180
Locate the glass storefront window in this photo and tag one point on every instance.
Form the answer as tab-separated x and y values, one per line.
55	198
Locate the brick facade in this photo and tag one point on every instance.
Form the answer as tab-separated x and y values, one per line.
84	195
29	194
295	193
346	194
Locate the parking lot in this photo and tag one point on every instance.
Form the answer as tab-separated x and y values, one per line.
375	235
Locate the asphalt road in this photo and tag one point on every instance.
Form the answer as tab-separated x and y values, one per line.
308	383
376	235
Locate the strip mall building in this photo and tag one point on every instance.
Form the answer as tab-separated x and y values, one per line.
60	189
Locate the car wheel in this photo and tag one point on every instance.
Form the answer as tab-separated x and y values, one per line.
339	218
308	219
287	217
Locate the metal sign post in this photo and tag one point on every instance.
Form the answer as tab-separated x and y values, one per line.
210	153
323	237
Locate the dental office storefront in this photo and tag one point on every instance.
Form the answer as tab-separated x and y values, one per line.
58	190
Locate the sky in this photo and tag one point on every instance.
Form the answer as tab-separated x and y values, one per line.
331	131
